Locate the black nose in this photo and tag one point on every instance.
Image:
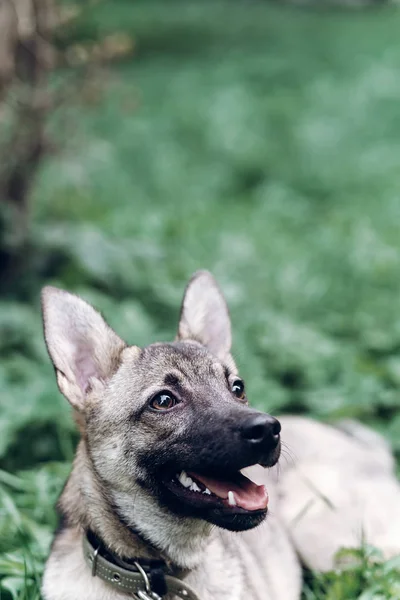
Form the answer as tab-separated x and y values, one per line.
261	429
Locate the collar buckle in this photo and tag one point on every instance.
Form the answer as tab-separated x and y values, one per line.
147	594
94	561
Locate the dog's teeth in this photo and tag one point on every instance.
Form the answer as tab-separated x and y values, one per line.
207	491
231	499
188	482
185	480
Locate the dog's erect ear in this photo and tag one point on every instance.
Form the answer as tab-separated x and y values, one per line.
83	348
205	316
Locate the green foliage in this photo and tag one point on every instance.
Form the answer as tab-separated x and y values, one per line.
26	522
362	574
260	142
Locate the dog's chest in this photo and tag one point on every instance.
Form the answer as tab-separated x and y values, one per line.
256	565
250	566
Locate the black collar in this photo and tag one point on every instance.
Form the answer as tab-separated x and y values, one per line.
148	578
104	551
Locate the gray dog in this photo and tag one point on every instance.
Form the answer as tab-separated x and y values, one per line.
157	505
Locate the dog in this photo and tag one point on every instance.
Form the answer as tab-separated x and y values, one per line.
165	432
162	501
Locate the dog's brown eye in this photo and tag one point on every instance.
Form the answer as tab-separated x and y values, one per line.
163	401
238	389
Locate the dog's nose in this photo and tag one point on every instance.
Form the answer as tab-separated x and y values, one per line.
261	429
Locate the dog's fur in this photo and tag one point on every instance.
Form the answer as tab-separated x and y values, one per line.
118	485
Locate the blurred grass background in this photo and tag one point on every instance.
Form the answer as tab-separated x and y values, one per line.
257	140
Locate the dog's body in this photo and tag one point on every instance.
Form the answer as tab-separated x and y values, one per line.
166	431
259	564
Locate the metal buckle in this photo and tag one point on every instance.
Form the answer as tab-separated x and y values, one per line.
145	596
148	594
94	561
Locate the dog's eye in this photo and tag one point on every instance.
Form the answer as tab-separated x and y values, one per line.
163	401
238	389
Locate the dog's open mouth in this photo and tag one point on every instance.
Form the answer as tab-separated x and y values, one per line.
237	494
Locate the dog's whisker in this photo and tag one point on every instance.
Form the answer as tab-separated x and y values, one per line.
288	452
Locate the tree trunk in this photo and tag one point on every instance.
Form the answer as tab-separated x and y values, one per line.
26	57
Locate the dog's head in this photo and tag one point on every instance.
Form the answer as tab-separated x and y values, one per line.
171	419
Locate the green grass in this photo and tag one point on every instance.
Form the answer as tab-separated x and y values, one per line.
261	142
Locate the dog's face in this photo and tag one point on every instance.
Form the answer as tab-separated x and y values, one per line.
171	419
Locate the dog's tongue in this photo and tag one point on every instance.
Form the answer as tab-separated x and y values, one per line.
248	495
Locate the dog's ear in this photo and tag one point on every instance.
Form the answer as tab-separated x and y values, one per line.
204	315
83	348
